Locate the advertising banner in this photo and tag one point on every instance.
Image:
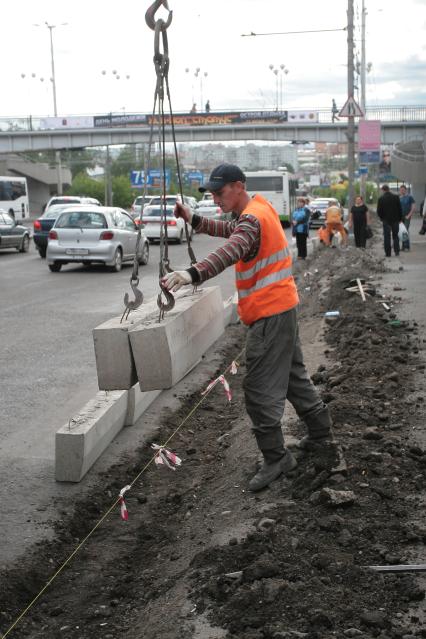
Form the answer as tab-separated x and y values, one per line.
71	122
369	134
193	119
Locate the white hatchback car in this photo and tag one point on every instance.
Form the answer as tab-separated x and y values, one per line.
95	235
71	199
151	221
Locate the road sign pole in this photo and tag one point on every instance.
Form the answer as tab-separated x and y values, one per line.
351	115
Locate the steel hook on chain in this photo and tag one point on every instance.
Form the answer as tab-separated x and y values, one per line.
150	16
169	304
131	305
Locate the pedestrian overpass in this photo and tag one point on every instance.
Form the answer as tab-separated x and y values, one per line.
398	124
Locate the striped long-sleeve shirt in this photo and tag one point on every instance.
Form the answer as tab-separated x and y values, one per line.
243	243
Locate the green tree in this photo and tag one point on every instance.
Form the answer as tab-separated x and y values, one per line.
122	193
82	184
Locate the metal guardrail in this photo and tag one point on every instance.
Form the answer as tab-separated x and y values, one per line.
397	114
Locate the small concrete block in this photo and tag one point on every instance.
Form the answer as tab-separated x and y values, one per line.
138	403
165	352
230	310
114	360
79	443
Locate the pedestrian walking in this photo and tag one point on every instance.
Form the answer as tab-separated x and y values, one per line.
389	211
334	224
334	110
359	219
300	227
208	106
193	108
267	304
408	206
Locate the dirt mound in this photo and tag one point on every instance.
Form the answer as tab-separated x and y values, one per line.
201	558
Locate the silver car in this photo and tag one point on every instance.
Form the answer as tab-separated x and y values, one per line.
151	221
207	208
94	235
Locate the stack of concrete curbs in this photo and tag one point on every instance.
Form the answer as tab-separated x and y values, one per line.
135	360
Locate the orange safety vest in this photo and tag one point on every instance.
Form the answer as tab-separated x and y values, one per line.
265	284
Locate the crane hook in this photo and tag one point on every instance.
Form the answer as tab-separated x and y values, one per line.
132	305
165	306
150	15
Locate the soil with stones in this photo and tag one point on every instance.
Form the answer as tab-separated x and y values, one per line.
200	557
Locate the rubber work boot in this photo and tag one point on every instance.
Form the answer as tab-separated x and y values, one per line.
319	429
271	471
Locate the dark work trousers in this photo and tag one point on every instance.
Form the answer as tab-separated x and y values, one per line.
276	372
359	234
388	230
301	241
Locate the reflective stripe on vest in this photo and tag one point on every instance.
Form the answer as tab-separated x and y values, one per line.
265	281
271	259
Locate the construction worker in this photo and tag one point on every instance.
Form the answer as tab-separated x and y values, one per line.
267	304
334	224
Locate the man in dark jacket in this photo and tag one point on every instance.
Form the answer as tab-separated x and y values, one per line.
389	211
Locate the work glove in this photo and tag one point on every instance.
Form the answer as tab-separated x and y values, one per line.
175	280
184	212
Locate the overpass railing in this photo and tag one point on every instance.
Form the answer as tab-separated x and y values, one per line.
397	114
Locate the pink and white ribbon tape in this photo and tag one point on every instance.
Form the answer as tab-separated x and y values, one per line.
123	508
222	380
166	457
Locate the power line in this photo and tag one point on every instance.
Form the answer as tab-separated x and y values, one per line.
249	35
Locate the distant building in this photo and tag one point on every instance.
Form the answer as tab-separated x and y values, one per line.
248	156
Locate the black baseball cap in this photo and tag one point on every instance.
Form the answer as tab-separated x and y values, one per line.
221	175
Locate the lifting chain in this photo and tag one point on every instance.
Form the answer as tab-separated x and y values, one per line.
161	64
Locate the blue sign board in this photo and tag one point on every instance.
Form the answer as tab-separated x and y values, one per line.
193	178
369	157
154	179
363	170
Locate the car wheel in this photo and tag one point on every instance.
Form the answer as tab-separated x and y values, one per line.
55	267
25	245
42	252
180	238
118	261
144	257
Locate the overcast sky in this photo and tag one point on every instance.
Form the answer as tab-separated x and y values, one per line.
103	36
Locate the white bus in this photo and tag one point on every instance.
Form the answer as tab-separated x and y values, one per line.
277	187
14	196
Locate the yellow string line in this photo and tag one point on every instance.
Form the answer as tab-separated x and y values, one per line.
117	501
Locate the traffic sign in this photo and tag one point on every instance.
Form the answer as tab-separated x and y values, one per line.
351	109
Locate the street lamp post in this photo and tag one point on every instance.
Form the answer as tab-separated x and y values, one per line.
279	72
199	75
55	104
108	174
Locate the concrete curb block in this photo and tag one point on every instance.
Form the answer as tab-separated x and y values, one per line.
164	353
137	404
79	444
114	359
